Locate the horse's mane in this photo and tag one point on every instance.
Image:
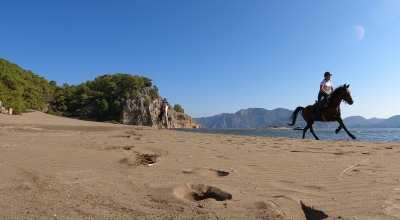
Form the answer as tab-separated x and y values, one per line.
337	91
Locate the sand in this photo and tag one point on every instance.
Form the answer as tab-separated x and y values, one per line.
59	168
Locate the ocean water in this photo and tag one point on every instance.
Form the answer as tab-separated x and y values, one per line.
362	134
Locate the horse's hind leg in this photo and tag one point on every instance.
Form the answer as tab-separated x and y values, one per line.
309	126
312	132
305	130
338	129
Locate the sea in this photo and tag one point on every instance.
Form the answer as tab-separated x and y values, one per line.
362	134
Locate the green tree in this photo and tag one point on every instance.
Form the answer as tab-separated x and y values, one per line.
146	101
21	89
101	98
154	93
179	108
105	94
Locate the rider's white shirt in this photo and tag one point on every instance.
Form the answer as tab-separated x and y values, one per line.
327	85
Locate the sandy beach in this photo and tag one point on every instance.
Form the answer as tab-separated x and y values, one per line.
60	168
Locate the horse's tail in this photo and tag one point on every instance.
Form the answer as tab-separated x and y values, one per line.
293	117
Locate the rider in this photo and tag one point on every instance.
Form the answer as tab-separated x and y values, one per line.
325	89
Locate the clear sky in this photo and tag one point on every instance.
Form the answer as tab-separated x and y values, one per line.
214	57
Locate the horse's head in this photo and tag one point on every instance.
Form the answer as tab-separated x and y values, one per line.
346	96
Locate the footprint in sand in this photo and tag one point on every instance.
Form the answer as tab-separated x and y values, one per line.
118	147
312	213
198	192
140	159
283	207
393	206
207	172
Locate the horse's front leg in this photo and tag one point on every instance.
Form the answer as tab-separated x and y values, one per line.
344	127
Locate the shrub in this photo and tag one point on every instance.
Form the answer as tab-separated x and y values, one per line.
154	93
146	101
179	108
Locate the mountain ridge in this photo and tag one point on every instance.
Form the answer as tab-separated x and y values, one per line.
260	117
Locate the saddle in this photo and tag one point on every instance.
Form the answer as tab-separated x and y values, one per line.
325	104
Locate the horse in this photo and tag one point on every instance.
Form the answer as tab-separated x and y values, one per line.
328	113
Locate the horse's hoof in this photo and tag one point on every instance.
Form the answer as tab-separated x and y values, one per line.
353	137
337	131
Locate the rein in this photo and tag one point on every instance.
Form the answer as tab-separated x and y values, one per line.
343	99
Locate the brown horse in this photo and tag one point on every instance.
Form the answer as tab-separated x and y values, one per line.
328	113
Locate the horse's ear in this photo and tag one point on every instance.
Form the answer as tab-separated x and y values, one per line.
345	86
348	86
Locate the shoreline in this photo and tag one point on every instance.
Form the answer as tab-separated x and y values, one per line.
367	135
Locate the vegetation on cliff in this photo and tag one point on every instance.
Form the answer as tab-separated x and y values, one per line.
100	99
21	89
179	108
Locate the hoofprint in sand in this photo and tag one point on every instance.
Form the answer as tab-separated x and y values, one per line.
59	168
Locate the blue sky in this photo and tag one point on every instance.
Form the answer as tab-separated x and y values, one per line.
216	56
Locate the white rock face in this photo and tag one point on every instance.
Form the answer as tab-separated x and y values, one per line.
136	112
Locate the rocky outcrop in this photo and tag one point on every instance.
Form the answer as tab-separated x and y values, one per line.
181	120
145	111
137	112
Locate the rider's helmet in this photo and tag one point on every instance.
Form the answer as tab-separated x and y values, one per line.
327	74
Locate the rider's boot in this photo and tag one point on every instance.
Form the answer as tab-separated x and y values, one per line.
337	114
318	113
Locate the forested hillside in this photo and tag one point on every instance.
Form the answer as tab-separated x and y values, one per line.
101	98
21	89
98	99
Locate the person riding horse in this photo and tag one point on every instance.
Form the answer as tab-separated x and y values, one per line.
325	90
342	93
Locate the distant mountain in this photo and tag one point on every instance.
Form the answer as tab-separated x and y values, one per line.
359	122
209	121
259	117
248	118
392	122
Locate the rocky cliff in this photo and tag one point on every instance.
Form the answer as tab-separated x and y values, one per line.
181	120
145	111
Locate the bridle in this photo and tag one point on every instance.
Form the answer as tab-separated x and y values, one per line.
344	99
